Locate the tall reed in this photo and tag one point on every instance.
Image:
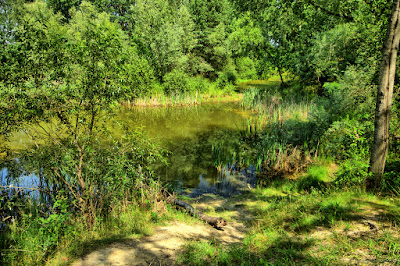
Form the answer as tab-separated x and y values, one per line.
278	140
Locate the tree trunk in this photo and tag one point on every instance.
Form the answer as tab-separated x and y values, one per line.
283	84
384	100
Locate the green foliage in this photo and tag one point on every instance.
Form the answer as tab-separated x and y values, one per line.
36	235
352	95
165	34
212	19
176	82
197	37
391	177
246	67
334	49
245	37
317	177
63	6
56	225
346	138
353	172
227	77
137	75
199	84
37	50
97	49
120	11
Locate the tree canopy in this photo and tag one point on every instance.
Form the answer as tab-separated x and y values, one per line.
63	58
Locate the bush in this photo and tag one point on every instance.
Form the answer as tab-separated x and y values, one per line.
353	172
391	182
198	84
176	82
227	76
391	177
351	96
346	139
246	68
137	77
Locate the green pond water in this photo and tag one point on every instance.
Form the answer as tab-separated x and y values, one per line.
189	133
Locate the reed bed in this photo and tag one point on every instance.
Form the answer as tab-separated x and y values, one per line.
278	140
162	100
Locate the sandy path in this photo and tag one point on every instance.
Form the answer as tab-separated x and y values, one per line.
163	247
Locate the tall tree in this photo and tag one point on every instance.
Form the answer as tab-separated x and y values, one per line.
384	99
212	20
63	6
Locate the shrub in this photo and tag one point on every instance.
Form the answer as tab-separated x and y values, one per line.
353	172
198	84
227	76
246	68
176	82
391	177
137	76
345	139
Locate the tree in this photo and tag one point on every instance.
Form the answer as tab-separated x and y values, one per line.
63	6
384	99
212	20
164	34
73	74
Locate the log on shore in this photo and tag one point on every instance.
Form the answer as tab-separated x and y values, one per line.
217	222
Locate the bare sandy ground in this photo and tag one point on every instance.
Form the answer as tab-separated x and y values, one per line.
163	247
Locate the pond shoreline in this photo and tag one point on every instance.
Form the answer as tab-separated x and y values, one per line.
185	100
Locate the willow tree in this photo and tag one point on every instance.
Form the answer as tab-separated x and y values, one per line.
384	99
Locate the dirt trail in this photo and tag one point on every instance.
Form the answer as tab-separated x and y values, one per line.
162	248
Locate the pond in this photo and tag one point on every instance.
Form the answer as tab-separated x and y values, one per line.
189	132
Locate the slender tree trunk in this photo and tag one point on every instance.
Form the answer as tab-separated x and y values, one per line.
283	84
384	100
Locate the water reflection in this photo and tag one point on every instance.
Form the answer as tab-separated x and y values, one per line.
189	133
230	182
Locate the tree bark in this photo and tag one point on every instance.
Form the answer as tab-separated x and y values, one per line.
283	84
384	100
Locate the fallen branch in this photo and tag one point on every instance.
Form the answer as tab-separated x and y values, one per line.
217	222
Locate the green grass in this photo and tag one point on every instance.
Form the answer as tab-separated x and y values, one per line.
321	216
291	225
63	236
123	223
211	94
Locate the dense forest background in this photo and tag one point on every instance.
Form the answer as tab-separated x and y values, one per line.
167	45
70	62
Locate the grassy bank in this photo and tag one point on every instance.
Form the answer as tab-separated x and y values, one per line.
62	236
307	220
188	92
310	206
296	126
183	99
